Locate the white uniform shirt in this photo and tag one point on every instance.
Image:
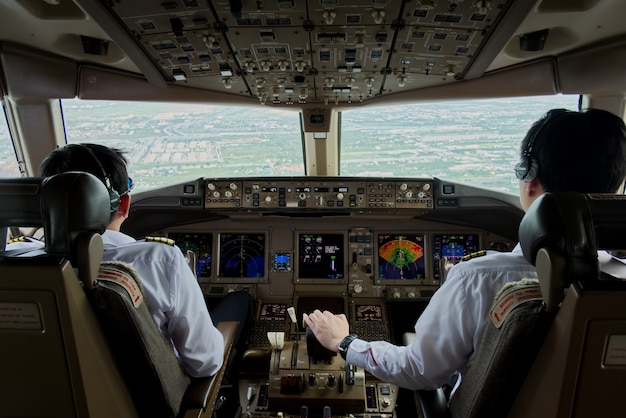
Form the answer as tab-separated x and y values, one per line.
174	299
449	330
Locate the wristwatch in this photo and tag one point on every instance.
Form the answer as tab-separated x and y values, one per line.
345	343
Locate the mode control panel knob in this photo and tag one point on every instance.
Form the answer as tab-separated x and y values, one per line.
331	381
358	288
233	186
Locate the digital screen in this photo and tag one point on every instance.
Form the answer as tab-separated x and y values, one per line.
282	262
320	256
401	257
449	249
273	312
201	245
306	305
368	313
242	256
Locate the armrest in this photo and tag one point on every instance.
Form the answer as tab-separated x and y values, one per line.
202	393
432	403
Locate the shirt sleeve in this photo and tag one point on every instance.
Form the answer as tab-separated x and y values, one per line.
200	345
442	347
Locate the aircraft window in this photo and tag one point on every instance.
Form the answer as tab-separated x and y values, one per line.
169	143
474	142
9	167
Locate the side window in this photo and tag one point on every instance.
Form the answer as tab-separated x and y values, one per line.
9	166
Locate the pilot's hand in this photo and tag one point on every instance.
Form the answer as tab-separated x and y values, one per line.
329	329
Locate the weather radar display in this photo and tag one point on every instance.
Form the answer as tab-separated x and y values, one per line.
401	257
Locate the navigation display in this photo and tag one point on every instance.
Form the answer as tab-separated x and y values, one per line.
321	256
449	249
241	255
201	246
401	257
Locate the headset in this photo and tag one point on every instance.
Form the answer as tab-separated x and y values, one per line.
526	169
114	196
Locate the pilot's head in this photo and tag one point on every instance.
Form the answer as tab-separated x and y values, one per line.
569	151
107	164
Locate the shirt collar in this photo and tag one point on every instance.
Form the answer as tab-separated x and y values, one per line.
116	238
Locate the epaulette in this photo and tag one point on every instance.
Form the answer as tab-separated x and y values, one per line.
21	238
162	240
474	255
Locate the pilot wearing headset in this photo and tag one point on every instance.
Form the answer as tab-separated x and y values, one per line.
174	297
563	151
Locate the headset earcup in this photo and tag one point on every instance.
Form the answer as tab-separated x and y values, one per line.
114	196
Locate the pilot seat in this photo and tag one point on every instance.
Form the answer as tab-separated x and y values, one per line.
559	351
76	338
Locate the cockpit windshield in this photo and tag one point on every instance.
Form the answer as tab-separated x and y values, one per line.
474	142
175	142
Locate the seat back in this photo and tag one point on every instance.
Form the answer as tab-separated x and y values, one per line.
54	358
568	328
580	369
155	377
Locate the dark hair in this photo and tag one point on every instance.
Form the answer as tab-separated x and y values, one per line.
581	152
77	157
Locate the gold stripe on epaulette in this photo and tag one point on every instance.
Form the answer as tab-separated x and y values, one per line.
474	255
162	240
21	238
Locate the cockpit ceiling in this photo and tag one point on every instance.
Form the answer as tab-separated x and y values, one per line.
322	51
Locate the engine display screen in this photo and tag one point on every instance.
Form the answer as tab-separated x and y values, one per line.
242	255
449	249
401	257
321	256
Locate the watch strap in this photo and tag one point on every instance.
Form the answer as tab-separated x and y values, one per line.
345	343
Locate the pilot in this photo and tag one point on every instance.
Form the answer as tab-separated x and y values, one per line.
174	297
563	151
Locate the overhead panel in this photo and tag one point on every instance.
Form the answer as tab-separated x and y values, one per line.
322	51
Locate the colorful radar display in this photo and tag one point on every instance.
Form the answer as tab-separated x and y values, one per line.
401	257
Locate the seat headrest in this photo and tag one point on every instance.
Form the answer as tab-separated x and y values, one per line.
65	205
574	225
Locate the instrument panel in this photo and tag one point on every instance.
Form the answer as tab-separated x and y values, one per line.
375	250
